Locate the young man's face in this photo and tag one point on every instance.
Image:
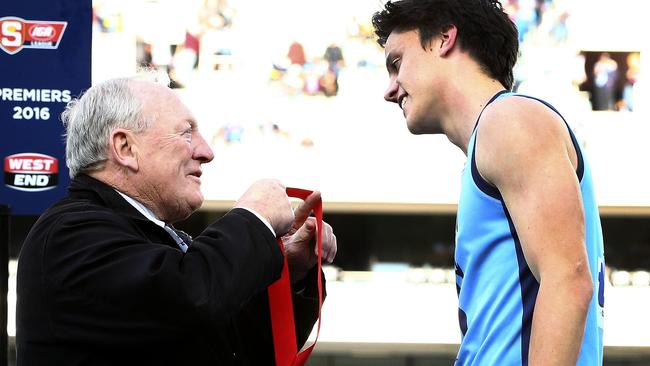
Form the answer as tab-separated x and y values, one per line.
414	80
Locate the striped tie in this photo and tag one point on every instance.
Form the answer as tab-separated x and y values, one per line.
179	237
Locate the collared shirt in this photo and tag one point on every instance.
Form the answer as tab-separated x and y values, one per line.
151	216
143	210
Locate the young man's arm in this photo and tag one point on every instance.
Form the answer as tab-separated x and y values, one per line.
524	149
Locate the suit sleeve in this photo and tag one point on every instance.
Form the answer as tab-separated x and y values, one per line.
116	283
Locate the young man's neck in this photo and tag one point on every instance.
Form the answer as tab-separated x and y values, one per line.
468	98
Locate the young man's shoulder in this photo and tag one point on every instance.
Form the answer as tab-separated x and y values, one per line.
514	110
515	131
515	120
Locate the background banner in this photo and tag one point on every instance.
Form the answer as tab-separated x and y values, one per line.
45	52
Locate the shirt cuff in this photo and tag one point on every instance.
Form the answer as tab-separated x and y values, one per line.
262	218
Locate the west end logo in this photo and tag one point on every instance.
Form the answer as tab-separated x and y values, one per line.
17	33
31	172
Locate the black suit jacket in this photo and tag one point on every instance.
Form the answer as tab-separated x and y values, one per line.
99	284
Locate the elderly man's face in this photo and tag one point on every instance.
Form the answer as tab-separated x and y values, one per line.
171	152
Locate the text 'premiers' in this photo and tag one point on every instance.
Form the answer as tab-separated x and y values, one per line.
33	95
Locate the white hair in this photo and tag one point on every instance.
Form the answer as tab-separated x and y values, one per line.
90	119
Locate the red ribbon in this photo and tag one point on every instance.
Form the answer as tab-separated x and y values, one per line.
282	321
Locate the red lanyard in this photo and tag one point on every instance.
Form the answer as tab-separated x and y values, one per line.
282	322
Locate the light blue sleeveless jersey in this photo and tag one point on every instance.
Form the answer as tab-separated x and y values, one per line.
496	289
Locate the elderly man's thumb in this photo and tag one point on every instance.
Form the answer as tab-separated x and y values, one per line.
310	226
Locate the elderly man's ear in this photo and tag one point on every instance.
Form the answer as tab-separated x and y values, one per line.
123	149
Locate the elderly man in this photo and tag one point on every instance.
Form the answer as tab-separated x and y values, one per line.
103	277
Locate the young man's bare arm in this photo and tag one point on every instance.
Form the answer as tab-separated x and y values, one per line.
524	149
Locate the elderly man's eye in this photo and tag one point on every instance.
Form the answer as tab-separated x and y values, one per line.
187	134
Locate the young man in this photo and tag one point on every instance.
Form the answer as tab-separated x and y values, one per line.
529	252
104	279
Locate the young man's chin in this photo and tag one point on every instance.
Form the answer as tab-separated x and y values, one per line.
415	129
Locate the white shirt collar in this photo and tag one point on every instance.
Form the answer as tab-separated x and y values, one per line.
143	210
151	216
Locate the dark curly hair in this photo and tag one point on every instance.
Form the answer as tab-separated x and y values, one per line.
484	30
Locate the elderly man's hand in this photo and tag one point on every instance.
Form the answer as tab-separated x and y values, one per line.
300	242
268	198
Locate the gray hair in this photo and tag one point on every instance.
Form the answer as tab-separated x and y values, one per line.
90	119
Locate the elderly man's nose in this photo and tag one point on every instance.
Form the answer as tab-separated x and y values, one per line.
202	150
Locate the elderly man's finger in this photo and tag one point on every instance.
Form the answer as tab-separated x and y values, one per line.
332	251
329	243
304	209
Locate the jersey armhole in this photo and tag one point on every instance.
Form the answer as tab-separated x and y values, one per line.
493	191
580	169
480	182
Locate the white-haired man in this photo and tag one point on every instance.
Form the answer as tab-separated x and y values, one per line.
104	279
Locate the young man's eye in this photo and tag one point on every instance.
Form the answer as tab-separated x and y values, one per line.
396	63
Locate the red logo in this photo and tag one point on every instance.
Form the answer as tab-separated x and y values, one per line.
31	172
42	33
17	33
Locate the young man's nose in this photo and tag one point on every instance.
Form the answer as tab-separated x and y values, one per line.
390	95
